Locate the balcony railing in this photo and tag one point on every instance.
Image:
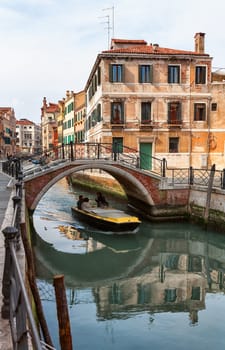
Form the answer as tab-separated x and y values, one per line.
177	123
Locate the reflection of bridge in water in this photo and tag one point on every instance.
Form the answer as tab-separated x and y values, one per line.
160	272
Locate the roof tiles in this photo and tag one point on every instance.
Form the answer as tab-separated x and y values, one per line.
147	49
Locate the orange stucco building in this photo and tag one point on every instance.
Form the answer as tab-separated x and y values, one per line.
163	102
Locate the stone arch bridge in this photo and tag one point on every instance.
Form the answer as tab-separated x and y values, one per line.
145	190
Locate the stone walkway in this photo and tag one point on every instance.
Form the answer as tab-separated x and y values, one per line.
5	216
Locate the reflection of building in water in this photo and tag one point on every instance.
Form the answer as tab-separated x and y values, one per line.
81	238
177	283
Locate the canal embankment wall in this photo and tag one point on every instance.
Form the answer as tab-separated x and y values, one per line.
197	207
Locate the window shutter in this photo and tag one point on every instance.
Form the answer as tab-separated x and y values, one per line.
179	111
122	111
99	75
169	74
139	74
168	111
111	119
123	73
204	112
99	112
110	73
151	73
179	77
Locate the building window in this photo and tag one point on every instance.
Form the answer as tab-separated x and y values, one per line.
145	74
170	295
174	113
173	74
173	144
99	112
116	73
200	75
70	107
145	112
196	293
214	107
117	112
115	295
144	295
99	75
199	111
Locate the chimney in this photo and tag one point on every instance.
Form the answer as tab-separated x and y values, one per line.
155	47
200	42
44	102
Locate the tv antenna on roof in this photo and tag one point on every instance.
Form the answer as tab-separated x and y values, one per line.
110	24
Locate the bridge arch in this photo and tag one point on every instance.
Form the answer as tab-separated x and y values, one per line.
131	185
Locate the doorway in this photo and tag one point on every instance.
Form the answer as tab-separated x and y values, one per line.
146	156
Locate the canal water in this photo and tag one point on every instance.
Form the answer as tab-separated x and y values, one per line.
161	288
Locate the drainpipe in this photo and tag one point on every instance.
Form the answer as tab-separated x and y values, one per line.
209	128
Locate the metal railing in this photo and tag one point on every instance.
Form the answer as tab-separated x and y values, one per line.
16	304
194	176
127	156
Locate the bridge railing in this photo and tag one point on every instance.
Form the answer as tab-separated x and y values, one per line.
194	176
16	303
83	151
116	152
125	155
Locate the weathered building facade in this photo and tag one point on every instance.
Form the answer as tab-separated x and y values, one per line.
7	132
159	101
80	115
59	121
28	137
49	113
68	122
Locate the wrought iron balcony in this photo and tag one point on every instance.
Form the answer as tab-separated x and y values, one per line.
174	123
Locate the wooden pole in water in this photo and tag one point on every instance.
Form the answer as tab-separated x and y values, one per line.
62	313
33	285
209	192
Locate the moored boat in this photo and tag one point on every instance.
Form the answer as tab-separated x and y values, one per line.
108	219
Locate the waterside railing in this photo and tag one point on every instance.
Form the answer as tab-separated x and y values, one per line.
25	330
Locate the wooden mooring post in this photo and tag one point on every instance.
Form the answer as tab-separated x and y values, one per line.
62	313
209	192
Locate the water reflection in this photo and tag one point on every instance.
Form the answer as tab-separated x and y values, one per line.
165	268
161	269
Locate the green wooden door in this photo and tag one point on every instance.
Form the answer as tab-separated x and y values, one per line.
146	156
118	144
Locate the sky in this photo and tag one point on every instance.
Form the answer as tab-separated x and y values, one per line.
50	46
